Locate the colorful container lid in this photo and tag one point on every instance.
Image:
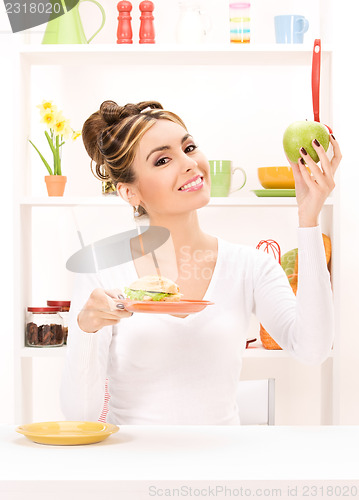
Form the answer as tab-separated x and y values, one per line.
240	5
59	303
44	309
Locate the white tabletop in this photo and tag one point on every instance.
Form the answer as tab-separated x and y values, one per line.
178	453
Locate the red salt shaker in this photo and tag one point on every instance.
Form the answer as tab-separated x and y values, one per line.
147	30
124	30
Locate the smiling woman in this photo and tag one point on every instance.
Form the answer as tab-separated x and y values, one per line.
184	368
113	137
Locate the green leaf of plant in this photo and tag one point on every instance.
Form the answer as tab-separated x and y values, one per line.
58	159
50	143
42	158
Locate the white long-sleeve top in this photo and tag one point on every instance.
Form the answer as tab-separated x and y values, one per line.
163	369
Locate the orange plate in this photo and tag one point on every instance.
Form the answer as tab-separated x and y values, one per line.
161	307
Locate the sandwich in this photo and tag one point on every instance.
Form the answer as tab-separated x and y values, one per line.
153	288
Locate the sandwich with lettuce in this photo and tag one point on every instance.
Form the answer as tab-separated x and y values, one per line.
153	288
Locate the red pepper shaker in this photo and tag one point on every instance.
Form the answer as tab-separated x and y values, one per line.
147	30
124	30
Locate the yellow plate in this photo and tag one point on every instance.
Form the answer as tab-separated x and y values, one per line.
67	432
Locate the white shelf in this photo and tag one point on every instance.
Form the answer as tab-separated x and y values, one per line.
109	201
176	54
43	352
258	352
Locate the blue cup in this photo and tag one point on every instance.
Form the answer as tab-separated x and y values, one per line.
290	29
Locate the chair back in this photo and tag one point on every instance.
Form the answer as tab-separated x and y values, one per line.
255	399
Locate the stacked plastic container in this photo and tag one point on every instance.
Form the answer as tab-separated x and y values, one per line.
240	22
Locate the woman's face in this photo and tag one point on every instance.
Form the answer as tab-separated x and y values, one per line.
167	164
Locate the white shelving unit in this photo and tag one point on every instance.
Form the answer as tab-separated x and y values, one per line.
184	54
136	56
256	352
114	201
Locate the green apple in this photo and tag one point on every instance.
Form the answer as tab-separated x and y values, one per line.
301	134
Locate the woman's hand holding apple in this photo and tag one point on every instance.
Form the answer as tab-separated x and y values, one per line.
312	190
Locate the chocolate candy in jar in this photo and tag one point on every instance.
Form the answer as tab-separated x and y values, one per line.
64	306
44	327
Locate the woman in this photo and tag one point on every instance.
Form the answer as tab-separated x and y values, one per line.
167	369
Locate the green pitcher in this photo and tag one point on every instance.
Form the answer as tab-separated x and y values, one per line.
68	28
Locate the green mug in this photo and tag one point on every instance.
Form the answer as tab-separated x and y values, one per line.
221	177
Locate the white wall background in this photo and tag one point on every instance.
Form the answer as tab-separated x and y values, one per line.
345	91
7	125
251	140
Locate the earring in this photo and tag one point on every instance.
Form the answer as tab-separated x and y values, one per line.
137	213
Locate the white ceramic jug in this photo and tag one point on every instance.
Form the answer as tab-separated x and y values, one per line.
192	25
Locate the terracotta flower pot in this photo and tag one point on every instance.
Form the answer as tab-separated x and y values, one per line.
55	184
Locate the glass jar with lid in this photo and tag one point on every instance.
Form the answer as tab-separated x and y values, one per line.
44	327
64	306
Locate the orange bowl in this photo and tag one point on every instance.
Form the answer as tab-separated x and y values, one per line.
276	177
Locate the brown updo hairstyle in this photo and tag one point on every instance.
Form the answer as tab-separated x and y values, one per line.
111	136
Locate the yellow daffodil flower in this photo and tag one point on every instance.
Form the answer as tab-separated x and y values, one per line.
46	106
75	134
67	132
62	126
49	118
60	130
